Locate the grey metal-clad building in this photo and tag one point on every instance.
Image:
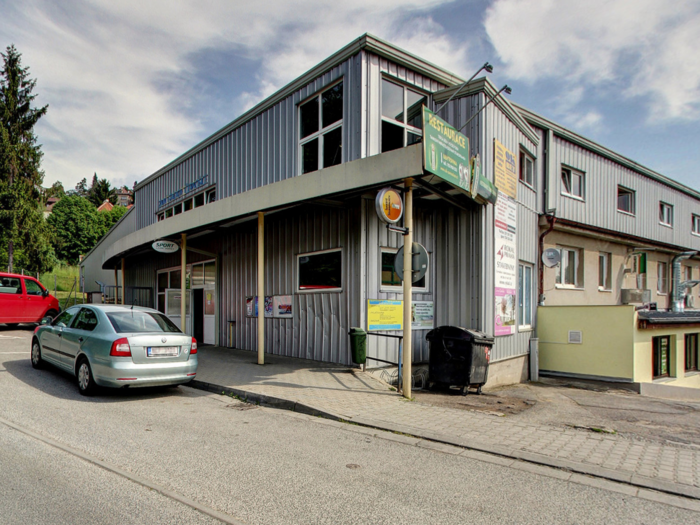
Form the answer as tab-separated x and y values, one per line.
255	164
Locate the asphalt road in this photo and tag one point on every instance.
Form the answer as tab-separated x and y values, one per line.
178	455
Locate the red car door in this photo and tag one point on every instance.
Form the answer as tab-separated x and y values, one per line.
36	304
12	300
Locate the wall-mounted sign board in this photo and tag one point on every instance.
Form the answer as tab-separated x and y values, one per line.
165	246
389	205
445	151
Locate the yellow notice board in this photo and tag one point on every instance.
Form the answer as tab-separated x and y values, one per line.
384	315
505	176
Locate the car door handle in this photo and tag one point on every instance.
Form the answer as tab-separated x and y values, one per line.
60	334
80	339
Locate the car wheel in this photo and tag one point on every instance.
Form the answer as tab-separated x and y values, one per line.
51	314
86	382
37	361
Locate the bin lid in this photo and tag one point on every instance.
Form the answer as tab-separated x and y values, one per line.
464	334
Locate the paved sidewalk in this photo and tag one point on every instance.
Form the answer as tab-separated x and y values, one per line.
338	392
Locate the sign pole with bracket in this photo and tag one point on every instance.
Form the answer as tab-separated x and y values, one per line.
407	286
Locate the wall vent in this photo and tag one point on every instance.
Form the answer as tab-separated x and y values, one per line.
575	337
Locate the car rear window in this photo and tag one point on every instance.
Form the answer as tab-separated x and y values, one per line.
132	321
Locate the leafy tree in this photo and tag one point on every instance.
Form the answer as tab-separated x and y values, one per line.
100	191
81	189
56	190
76	228
110	218
21	218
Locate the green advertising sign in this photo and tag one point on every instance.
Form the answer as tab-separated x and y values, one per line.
445	151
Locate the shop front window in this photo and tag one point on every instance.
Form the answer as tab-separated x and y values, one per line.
320	271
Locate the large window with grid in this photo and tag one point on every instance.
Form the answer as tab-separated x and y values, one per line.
402	115
321	130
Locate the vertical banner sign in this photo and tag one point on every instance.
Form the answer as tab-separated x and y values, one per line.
505	176
445	151
506	265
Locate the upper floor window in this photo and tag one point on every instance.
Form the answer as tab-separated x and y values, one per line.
572	182
696	224
625	200
321	130
662	278
527	169
665	214
402	116
604	271
570	267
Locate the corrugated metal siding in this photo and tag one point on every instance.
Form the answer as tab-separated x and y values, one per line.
602	176
261	151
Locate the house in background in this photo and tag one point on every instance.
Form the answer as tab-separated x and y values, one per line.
125	197
50	202
312	158
105	206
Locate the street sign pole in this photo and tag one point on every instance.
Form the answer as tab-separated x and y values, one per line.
407	286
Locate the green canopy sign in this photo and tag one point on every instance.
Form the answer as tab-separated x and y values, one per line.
445	151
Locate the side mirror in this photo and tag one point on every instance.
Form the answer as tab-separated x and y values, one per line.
46	320
45	293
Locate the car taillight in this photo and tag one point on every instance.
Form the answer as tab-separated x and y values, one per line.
121	348
193	350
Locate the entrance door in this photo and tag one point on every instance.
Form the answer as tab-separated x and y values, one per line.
209	314
198	312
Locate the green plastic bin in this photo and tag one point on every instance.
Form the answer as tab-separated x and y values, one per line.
358	345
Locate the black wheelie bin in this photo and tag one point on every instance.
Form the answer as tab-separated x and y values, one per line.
459	357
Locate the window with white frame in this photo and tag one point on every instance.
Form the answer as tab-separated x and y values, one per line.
625	200
391	282
525	272
665	214
571	267
604	271
320	271
662	278
527	169
572	183
321	130
402	115
696	224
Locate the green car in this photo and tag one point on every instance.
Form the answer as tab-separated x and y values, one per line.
115	346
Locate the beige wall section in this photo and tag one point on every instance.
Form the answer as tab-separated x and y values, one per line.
643	352
589	294
607	335
509	372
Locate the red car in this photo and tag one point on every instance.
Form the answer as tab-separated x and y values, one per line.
24	300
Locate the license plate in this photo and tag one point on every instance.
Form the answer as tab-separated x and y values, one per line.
162	351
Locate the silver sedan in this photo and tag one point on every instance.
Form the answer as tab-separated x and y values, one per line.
115	346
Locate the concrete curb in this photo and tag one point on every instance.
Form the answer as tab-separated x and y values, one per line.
628	478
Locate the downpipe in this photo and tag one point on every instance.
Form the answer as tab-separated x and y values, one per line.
551	219
677	299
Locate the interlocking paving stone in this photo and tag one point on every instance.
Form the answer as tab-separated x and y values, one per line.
349	394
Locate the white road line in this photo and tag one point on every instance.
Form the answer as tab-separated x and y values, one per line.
3	353
132	477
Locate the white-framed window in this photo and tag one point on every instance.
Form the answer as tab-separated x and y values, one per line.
211	196
696	224
604	271
402	115
525	272
662	278
202	198
572	183
626	200
321	130
570	268
320	271
527	169
390	279
665	214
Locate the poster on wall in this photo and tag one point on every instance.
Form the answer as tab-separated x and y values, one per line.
254	313
384	315
505	176
422	315
506	265
282	306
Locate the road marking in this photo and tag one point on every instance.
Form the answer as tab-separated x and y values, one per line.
225	518
3	353
10	337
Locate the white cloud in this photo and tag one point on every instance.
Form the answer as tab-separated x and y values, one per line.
645	48
102	64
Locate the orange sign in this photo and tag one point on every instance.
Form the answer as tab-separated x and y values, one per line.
389	205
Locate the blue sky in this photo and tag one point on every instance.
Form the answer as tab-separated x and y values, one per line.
133	84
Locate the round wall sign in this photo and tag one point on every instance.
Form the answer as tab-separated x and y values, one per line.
389	204
165	246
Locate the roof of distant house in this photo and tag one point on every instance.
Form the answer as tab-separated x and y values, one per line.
105	206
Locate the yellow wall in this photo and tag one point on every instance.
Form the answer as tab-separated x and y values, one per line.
608	340
643	352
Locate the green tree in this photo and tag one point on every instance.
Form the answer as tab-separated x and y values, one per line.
76	227
110	218
21	218
100	191
56	190
81	189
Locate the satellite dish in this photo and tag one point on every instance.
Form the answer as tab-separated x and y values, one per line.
419	263
551	257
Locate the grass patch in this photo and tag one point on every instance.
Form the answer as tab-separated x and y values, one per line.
61	279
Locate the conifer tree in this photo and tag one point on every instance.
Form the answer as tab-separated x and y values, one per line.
22	224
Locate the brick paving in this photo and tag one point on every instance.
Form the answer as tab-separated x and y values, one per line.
352	395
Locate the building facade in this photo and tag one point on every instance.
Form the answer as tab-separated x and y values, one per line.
312	158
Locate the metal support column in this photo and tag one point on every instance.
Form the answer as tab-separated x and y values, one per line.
183	284
261	288
407	287
123	282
